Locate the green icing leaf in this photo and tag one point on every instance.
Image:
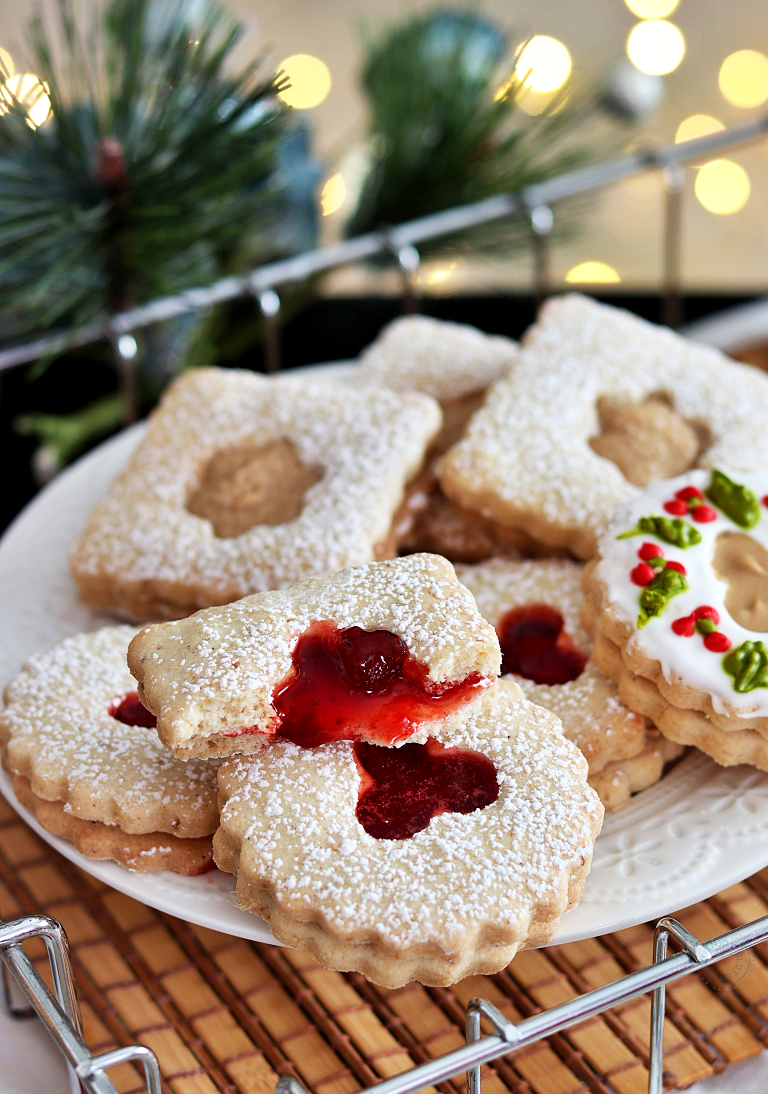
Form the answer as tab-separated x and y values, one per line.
748	665
735	500
677	532
705	626
655	597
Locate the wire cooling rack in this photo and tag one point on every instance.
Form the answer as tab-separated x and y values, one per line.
60	1013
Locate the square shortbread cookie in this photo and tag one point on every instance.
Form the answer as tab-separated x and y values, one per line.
244	483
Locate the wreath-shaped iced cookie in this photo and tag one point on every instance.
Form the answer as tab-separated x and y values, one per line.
432	861
244	483
86	760
535	606
679	599
599	404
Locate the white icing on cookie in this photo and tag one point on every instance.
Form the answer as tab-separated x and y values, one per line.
684	659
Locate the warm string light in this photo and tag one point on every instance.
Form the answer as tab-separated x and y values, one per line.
651	9
743	78
655	47
698	125
310	81
592	273
333	194
722	187
26	89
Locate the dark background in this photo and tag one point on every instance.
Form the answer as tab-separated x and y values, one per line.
327	330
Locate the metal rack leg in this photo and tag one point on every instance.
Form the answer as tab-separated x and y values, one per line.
664	929
13	1009
477	1009
542	221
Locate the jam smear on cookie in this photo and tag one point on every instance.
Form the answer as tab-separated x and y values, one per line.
535	645
131	712
350	684
402	789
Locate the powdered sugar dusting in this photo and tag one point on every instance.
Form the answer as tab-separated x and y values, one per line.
444	360
497	865
593	716
217	670
366	443
526	457
57	732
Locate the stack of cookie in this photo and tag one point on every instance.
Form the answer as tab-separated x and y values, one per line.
386	801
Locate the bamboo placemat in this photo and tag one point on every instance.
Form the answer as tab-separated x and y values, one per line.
231	1016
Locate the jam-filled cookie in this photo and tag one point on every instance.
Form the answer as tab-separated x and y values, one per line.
677	600
244	483
86	760
535	606
371	652
431	861
599	404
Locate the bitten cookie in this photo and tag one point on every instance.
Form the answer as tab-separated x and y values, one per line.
599	404
535	606
677	599
373	651
244	483
87	762
431	861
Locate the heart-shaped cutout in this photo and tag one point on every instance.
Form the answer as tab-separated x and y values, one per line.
131	712
535	645
647	441
742	563
402	789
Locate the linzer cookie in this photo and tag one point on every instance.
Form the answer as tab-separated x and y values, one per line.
431	861
244	483
599	404
86	760
371	652
678	600
534	606
452	362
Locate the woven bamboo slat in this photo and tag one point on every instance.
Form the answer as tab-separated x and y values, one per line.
230	1016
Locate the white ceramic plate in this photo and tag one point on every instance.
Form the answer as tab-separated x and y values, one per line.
699	830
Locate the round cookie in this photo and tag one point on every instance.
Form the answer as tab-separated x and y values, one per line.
677	599
625	754
457	897
599	403
87	761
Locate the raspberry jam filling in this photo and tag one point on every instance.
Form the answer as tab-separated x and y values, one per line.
130	712
402	789
534	645
348	684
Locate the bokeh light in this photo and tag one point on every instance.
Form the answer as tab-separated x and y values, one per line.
6	64
31	93
544	64
743	78
310	81
722	187
656	47
333	194
698	125
594	273
651	9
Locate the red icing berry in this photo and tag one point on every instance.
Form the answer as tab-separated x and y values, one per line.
706	612
347	684
717	642
650	550
689	493
402	789
672	565
131	712
643	574
676	508
685	626
765	500
703	514
534	645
